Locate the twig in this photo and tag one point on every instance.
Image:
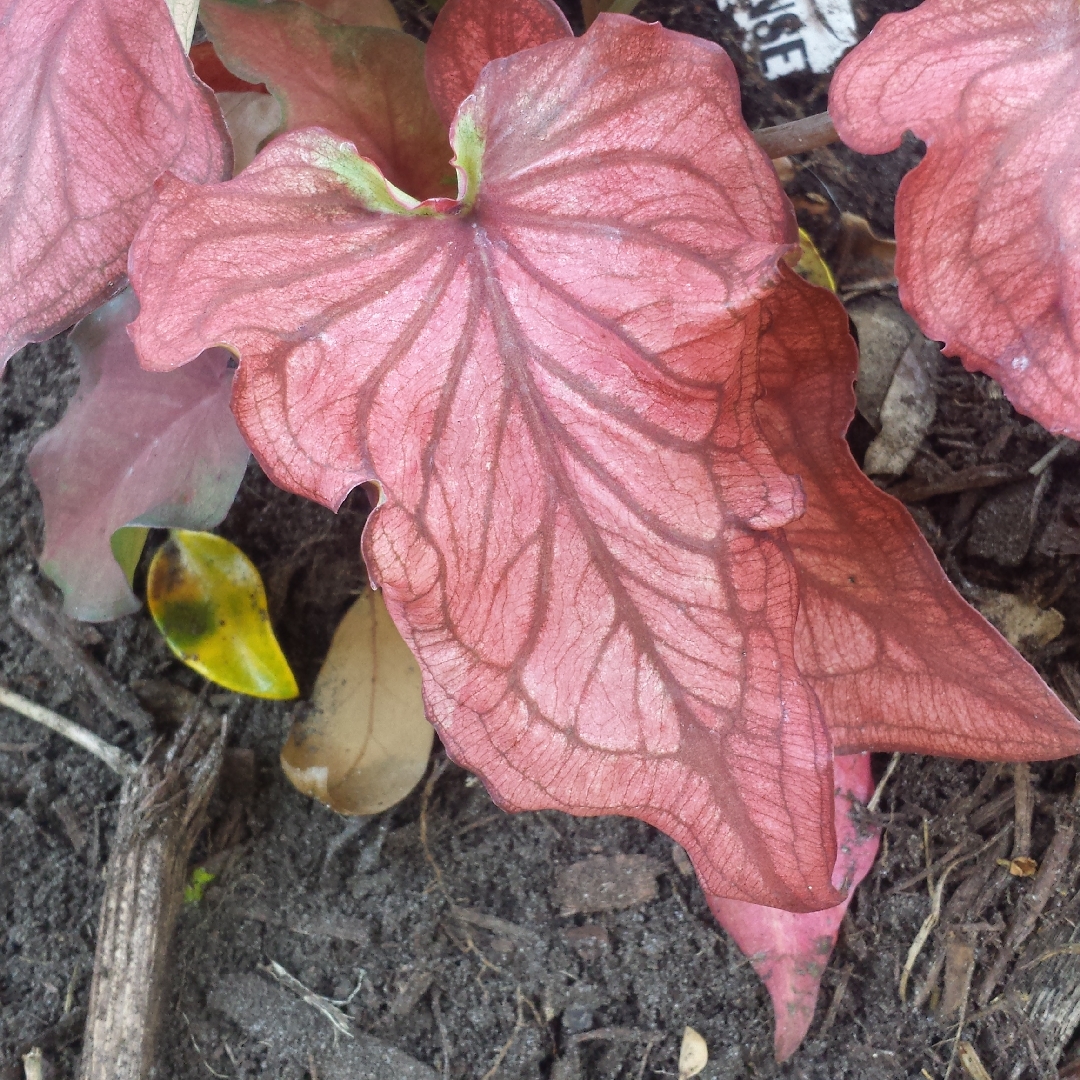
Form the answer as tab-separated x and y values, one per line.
339	1020
875	799
444	1035
121	763
519	1023
1023	922
31	612
645	1056
965	998
1024	795
797	136
935	914
834	1004
1047	459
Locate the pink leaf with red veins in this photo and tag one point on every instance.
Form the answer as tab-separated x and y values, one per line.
134	446
898	659
988	238
790	951
552	386
363	83
96	101
470	33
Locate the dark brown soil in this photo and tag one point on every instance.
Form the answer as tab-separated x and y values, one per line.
537	994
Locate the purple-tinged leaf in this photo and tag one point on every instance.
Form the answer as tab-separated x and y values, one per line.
134	447
97	100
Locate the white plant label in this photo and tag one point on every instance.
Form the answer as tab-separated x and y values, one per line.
788	36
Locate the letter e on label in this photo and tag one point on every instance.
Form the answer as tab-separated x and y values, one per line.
788	36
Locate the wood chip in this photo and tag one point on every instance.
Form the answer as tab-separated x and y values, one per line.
589	941
606	883
495	925
970	1061
959	966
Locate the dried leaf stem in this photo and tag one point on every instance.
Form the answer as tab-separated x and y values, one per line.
797	136
120	763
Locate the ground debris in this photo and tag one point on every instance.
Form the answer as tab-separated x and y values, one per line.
269	1013
606	883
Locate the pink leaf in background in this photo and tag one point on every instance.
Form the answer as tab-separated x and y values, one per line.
96	102
790	951
133	446
365	84
988	237
470	33
897	658
553	388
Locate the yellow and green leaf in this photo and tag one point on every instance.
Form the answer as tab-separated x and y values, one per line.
209	602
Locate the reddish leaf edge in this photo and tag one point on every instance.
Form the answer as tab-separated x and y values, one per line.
790	951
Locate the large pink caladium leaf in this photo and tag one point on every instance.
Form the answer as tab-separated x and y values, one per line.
365	84
96	101
551	380
988	238
898	659
133	447
789	950
470	33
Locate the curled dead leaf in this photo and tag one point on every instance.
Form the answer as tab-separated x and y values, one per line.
862	260
1024	866
365	744
906	412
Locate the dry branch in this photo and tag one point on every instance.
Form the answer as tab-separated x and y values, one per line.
162	808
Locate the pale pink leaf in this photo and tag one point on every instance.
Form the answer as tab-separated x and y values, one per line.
470	33
899	660
96	101
553	389
134	447
988	236
790	951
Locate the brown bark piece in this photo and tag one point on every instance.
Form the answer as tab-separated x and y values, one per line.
959	967
162	809
1031	907
606	883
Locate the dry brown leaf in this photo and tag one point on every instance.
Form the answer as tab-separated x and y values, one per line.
885	331
862	260
694	1054
1020	620
906	413
366	742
